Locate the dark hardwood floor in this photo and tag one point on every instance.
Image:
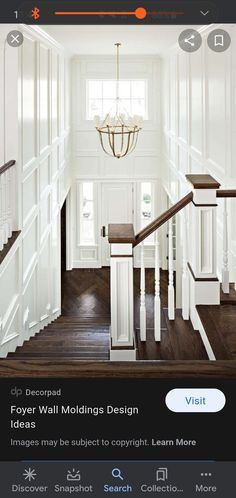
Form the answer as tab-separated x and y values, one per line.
220	325
86	293
179	341
82	331
228	298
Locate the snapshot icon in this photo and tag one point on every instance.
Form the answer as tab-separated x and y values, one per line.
190	40
15	38
219	40
73	475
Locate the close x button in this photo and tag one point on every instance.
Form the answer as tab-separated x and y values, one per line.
195	400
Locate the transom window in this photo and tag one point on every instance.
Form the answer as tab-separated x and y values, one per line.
101	95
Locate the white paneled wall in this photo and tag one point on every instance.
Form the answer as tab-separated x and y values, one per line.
30	275
90	163
199	124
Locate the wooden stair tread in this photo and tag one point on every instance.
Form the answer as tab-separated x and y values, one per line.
71	339
68	340
75	356
58	354
210	317
228	298
85	318
72	335
51	347
79	325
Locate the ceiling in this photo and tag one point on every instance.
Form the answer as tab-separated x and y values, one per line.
99	39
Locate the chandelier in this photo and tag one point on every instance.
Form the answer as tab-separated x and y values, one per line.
118	132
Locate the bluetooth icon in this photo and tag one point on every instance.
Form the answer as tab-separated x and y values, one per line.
35	13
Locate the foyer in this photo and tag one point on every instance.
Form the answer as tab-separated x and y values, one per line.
103	259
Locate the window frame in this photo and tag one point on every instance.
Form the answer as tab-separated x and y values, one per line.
146	84
150	241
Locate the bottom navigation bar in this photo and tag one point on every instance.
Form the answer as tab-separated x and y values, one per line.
103	478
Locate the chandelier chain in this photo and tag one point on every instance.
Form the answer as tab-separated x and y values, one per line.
117	74
118	132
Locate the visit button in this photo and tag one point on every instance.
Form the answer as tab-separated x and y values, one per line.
195	400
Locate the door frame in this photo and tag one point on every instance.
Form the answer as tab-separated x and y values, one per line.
68	201
114	181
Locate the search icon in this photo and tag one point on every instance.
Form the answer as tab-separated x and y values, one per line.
117	473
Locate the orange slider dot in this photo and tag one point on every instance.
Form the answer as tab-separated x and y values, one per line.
140	13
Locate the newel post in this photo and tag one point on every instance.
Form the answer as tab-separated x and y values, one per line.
121	238
204	284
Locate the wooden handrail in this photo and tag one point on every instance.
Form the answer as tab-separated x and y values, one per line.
154	225
6	166
226	193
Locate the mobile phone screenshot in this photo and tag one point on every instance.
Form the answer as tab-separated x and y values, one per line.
118	248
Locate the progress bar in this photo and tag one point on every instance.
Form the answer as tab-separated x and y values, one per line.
140	13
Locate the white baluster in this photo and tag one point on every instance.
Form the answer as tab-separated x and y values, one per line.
142	298
8	203
9	210
225	269
171	291
185	278
5	235
1	213
157	299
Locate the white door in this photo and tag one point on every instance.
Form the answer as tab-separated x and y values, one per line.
117	207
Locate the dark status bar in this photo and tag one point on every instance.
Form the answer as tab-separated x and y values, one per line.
123	12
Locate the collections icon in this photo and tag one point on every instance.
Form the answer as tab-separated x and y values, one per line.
162	474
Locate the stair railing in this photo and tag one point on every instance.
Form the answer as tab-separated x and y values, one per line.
165	217
7	201
200	284
122	243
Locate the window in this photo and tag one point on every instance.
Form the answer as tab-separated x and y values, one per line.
147	208
87	214
101	95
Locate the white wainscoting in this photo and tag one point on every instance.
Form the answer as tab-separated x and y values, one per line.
199	124
30	275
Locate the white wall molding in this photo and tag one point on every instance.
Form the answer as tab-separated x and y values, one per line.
30	273
199	123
